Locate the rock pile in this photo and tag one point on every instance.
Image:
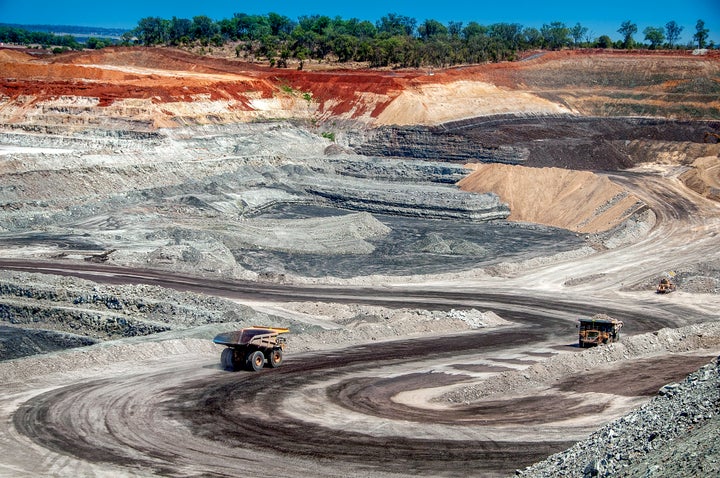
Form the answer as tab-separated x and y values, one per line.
675	434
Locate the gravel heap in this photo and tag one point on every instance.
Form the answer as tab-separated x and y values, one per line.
675	434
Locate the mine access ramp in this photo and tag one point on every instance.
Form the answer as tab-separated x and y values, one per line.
598	329
250	348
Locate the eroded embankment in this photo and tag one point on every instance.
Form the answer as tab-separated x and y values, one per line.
146	88
580	201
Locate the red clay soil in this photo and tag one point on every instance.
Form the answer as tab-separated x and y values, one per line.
167	75
144	73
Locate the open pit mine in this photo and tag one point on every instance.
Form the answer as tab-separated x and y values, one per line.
428	242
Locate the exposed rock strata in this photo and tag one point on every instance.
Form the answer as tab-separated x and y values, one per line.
83	312
567	141
147	88
432	144
418	201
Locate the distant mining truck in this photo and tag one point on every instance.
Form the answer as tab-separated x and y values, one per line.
252	347
599	329
665	286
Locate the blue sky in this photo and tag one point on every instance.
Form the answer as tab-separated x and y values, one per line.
602	17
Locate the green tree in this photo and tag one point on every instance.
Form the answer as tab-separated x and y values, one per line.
604	42
577	33
701	34
226	28
244	26
203	28
68	41
555	35
259	27
655	36
96	43
455	29
305	41
393	24
127	38
474	29
432	29
179	30
280	25
627	30
300	55
345	47
315	23
672	32
508	35
533	37
151	31
363	30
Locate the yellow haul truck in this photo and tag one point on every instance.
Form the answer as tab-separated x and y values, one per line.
665	286
251	347
599	329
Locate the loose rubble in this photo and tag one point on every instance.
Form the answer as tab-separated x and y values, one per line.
675	434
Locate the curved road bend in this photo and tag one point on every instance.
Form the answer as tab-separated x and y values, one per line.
323	414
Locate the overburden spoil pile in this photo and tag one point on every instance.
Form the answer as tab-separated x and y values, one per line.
675	434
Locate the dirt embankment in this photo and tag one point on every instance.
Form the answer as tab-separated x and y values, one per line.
616	83
580	201
704	177
145	88
441	102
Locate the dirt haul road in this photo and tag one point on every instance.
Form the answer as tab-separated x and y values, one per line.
364	411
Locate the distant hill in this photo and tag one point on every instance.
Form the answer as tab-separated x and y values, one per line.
76	31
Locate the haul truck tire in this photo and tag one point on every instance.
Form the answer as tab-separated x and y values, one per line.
226	359
255	361
275	358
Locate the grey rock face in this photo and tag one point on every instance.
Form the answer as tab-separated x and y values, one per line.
433	144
